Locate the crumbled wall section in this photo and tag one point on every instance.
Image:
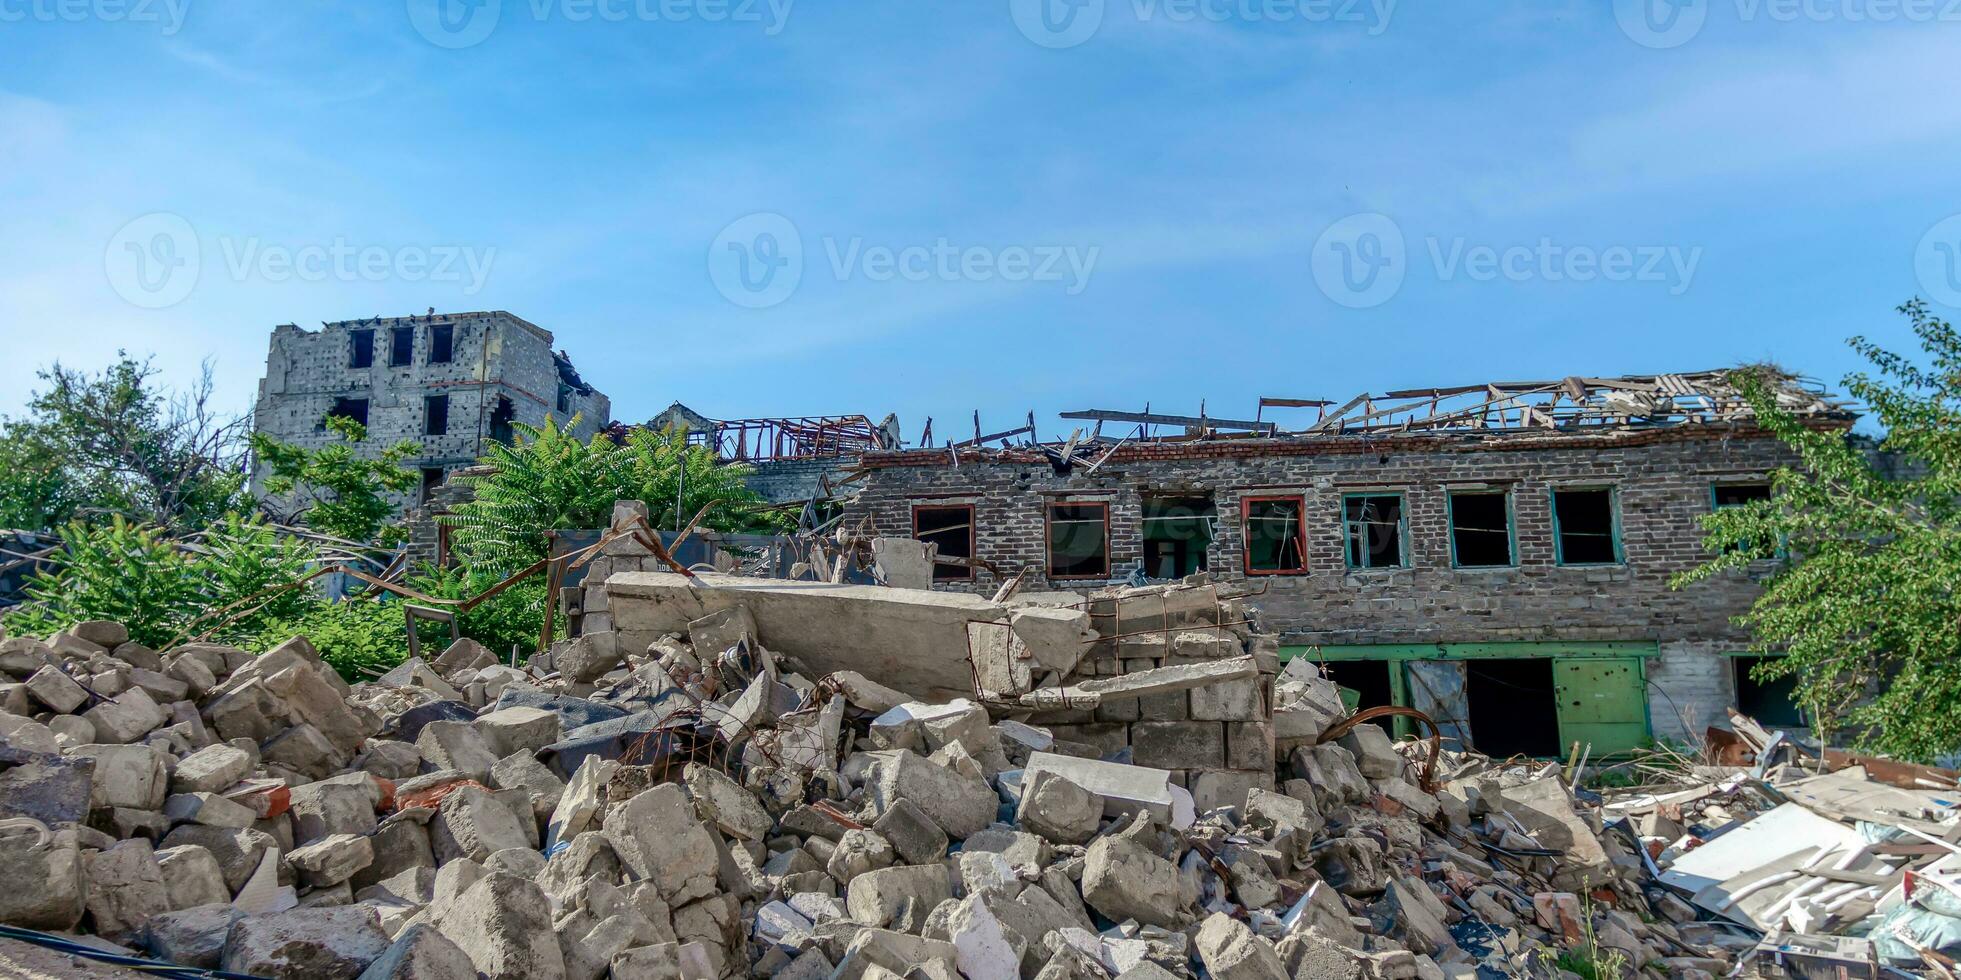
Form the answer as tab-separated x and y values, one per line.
1663	480
494	355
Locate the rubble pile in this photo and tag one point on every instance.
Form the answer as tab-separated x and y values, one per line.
708	806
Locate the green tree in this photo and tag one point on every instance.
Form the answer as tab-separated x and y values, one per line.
547	479
1865	606
333	489
113	442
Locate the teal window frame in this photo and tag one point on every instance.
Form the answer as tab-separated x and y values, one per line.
1613	525
1511	526
1402	531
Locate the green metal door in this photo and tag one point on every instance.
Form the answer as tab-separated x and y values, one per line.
1602	702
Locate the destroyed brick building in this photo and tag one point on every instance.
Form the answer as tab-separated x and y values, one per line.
793	459
450	382
1498	555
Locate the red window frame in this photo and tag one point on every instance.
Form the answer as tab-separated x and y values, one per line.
1048	539
973	542
1246	540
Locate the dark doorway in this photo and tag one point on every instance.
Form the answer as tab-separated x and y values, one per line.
500	421
1514	710
1177	531
1364	684
432	477
1772	703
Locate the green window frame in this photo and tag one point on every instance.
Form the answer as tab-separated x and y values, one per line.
1511	527
1559	534
1352	526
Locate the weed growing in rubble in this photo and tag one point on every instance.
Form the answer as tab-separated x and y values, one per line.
1862	600
1590	959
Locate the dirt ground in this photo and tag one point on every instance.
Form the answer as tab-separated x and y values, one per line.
25	961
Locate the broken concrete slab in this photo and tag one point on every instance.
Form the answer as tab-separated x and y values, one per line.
913	635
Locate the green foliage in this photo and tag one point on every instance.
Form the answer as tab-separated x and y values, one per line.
112	442
550	480
335	490
156	585
357	637
1866	606
35	492
513	618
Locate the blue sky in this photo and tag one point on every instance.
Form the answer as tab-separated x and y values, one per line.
993	210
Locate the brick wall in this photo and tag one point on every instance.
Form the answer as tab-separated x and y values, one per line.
1662	481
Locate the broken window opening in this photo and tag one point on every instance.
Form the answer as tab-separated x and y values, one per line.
361	350
1772	702
500	421
1726	495
442	343
349	408
1373	524
401	346
1738	494
1481	530
432	477
564	399
1079	540
1176	532
435	415
1514	707
1364	684
951	527
1276	539
1583	527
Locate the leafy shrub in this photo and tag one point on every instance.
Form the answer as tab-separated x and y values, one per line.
511	619
164	588
358	638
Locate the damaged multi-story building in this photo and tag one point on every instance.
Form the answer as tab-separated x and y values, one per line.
1496	555
450	382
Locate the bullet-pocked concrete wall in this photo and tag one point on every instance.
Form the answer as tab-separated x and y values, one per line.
494	356
1662	482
